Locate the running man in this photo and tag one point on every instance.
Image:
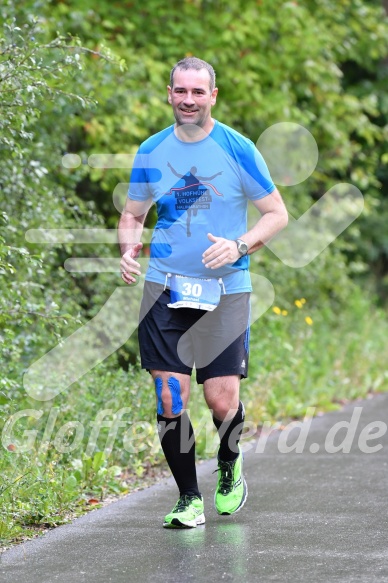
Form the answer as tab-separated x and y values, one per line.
195	307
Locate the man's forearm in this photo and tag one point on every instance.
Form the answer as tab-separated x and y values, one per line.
267	227
255	247
129	231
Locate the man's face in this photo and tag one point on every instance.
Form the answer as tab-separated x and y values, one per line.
191	98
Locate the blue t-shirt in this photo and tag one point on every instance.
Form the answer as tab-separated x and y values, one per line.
198	188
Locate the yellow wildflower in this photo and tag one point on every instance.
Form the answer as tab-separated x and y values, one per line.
308	320
298	304
277	310
284	312
303	300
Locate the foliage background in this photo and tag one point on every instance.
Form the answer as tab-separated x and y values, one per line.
88	79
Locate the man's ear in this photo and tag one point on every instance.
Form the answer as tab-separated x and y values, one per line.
169	90
214	95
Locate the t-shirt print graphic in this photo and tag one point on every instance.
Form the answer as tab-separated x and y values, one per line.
194	195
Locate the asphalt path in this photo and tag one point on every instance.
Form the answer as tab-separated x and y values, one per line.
318	516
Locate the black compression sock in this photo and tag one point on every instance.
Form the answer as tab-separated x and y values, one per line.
230	433
177	440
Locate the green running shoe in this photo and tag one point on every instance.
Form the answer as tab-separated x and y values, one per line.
187	513
232	490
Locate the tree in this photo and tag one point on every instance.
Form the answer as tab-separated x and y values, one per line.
38	302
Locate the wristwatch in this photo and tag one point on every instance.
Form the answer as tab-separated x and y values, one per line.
242	247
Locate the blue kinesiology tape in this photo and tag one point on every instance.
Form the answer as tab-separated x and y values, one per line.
175	390
158	389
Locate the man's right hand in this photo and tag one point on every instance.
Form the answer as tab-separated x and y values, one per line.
128	266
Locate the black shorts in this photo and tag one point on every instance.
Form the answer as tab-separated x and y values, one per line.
174	339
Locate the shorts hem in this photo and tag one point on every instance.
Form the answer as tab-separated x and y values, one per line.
211	374
165	368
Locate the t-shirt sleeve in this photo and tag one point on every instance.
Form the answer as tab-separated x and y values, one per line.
256	179
139	184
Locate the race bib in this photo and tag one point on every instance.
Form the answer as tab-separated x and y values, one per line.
194	292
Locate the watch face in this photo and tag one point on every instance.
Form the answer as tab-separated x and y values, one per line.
242	247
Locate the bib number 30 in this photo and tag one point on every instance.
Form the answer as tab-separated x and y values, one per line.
194	292
192	289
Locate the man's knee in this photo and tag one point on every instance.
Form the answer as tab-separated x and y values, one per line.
159	397
176	395
224	411
169	398
222	396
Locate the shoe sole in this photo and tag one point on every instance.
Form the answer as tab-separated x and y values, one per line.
176	523
243	500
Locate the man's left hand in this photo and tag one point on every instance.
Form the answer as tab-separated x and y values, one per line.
222	252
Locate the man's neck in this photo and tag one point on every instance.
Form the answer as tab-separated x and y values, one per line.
193	133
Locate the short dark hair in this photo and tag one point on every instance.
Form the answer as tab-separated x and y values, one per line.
196	64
